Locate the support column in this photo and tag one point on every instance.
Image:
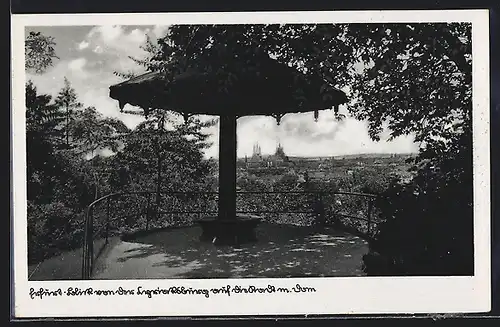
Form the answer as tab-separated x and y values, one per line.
227	167
227	229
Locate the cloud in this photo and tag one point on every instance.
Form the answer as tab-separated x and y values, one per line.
118	43
121	39
83	45
300	135
157	31
115	44
305	127
92	74
52	81
77	64
99	98
77	68
108	33
160	30
91	86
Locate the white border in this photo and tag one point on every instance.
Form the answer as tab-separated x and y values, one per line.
364	295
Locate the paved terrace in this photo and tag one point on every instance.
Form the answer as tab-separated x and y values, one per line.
282	251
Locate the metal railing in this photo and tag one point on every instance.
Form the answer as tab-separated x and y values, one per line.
118	213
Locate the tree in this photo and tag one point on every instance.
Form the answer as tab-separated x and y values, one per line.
42	140
56	180
39	52
60	181
67	99
42	117
158	158
93	132
52	169
418	80
437	207
152	141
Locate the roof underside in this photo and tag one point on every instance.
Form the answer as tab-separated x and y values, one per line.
273	90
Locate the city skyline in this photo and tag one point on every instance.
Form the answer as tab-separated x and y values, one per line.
279	145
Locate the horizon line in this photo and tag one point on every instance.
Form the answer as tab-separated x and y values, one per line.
328	156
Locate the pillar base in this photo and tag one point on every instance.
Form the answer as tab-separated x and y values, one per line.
236	231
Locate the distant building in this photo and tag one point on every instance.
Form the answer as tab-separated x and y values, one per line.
255	160
280	153
278	158
257	152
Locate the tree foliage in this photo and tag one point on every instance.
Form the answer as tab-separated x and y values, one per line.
42	140
61	181
93	132
67	100
58	181
172	157
411	78
418	80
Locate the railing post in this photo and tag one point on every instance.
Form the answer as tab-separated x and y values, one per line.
85	245
333	212
90	243
370	202
107	218
147	210
321	210
158	203
201	205
331	209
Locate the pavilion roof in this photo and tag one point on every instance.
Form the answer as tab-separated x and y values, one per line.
273	89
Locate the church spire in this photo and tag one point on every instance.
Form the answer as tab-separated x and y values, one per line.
256	150
280	152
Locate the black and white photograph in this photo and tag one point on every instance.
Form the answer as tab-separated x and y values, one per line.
254	155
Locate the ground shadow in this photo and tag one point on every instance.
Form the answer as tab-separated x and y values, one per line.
281	251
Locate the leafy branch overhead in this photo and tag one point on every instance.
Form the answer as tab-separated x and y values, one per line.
410	78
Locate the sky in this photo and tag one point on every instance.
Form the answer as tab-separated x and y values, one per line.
88	56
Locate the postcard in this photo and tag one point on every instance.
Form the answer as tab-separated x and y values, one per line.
264	163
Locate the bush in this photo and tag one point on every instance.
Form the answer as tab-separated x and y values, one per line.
429	221
286	182
251	183
426	237
373	181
